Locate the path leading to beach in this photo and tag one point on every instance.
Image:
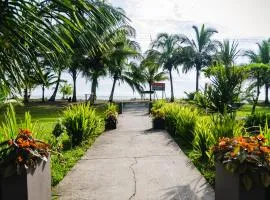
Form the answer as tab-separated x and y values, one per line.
134	162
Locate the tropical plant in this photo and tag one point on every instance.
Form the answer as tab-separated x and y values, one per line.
34	29
66	90
245	156
228	53
149	69
258	73
199	53
166	49
111	115
81	121
257	119
263	56
120	68
225	88
22	152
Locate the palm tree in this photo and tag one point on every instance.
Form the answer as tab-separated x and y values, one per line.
150	72
199	51
257	73
228	53
33	29
166	48
117	60
263	56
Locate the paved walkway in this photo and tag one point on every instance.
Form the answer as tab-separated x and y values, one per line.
134	162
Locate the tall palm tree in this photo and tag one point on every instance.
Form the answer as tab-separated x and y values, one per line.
150	71
166	48
199	51
30	29
228	53
262	56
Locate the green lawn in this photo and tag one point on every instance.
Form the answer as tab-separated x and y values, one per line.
246	109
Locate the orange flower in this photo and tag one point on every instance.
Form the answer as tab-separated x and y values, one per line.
20	159
261	138
10	142
222	143
265	149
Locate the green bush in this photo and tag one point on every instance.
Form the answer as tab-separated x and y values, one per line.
81	121
111	115
58	129
226	126
257	119
203	141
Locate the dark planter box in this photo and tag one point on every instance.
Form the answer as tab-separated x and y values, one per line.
120	108
229	187
30	185
110	124
159	123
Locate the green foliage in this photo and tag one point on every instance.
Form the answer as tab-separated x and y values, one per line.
226	126
225	87
111	115
66	90
58	129
81	121
190	95
257	119
203	141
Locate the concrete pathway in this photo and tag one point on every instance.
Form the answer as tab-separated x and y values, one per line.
134	162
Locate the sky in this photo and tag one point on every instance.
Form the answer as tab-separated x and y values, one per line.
246	21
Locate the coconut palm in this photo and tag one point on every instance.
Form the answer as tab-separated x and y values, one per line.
150	71
262	56
117	60
166	48
199	51
30	29
228	53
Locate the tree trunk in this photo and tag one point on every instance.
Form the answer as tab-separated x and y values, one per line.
43	93
150	89
172	94
26	96
56	88
93	95
266	94
112	92
197	79
74	78
255	101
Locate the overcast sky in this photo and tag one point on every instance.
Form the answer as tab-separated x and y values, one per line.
246	21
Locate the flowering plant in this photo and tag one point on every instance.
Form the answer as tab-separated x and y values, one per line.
246	156
22	152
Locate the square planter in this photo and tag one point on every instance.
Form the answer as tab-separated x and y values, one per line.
110	124
120	107
159	123
30	185
228	186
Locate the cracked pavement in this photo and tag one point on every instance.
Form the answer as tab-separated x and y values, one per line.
134	162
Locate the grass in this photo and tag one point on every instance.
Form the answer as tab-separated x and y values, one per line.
45	116
245	110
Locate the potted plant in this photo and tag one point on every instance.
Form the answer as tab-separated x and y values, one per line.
111	117
242	168
158	118
25	168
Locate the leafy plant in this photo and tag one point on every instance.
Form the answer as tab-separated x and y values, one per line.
81	122
203	141
257	119
58	129
245	156
111	115
22	152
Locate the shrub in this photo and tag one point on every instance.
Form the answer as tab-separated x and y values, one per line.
81	121
58	129
257	119
111	115
203	141
158	105
226	126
